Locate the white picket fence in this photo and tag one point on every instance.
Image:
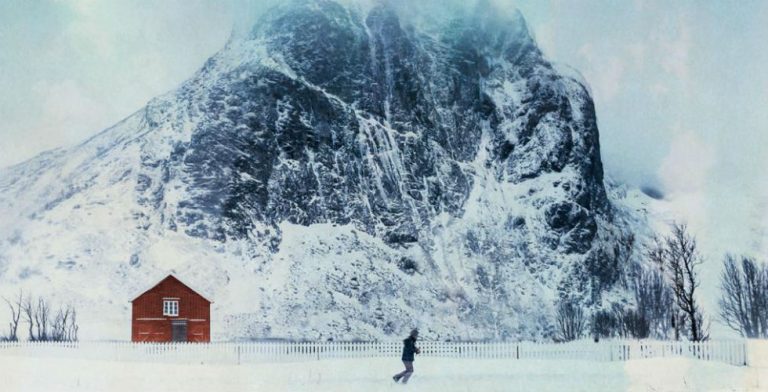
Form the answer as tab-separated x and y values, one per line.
733	352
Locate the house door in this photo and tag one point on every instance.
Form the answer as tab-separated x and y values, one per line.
179	330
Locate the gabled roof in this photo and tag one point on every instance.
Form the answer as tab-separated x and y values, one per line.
170	276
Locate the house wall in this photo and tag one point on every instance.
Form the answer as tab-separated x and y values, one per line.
149	324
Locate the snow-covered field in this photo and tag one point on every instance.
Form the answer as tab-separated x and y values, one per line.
431	374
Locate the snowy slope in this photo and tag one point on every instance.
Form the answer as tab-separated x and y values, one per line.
335	173
432	374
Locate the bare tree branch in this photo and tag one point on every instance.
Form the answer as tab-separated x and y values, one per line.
13	325
744	297
570	321
677	257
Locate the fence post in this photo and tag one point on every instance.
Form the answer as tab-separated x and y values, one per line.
610	349
745	352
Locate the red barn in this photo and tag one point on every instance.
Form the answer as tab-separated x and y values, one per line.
171	312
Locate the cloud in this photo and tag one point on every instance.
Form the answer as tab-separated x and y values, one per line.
638	53
685	174
73	67
760	216
88	28
66	109
604	73
658	89
545	38
688	164
675	48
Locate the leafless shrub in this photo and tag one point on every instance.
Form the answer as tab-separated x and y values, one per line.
631	323
611	262
570	321
655	301
44	325
603	325
621	322
64	327
744	298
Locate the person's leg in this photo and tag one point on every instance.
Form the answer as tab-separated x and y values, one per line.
408	368
408	371
400	375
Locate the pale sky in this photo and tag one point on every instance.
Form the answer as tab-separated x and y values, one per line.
680	87
681	93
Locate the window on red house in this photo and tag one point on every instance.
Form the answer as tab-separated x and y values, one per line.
170	307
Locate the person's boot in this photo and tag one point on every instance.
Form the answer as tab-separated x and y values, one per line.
396	377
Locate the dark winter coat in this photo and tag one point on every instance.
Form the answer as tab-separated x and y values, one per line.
409	348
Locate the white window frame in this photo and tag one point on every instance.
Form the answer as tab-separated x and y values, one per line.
170	307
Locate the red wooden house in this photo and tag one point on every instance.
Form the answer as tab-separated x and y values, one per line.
171	312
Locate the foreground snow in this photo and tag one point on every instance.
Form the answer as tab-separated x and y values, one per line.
432	374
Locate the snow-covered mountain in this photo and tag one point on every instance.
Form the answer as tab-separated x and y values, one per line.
339	172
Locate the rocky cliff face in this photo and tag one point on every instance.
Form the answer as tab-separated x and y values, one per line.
339	173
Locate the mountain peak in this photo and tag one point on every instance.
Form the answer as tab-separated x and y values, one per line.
341	172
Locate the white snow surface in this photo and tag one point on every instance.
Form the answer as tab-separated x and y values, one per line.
432	374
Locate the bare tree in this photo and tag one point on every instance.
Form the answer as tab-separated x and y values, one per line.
42	317
603	325
570	321
44	325
610	263
59	326
63	327
72	328
631	323
655	301
13	325
625	247
744	300
677	257
29	315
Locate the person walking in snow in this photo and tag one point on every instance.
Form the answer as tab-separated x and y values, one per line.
409	349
